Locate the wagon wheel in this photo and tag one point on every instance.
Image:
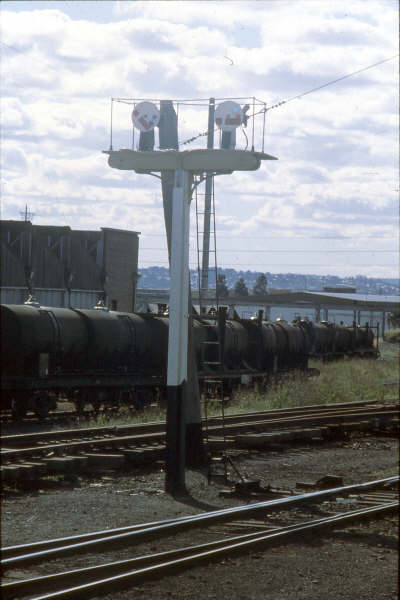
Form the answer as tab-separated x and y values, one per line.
79	399
40	405
18	409
143	397
97	399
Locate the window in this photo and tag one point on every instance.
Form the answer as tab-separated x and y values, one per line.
114	305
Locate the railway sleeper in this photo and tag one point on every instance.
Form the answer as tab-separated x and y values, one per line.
141	456
121	456
21	472
262	440
219	444
10	473
97	461
39	468
87	463
65	464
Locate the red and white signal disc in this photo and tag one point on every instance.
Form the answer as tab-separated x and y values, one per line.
145	116
228	115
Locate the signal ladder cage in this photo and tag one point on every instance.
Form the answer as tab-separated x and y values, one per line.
192	117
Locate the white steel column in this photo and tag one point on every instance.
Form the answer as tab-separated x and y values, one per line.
178	306
178	334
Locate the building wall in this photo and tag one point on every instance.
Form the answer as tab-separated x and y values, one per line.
86	268
16	246
64	267
120	264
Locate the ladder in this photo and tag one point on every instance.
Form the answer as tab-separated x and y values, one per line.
212	351
206	244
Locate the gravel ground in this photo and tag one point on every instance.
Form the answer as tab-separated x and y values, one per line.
357	562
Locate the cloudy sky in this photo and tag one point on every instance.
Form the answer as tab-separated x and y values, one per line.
329	205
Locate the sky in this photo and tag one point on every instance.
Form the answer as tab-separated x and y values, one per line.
328	205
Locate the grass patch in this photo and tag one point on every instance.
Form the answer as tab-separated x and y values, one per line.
53	478
347	380
125	416
389	350
340	381
393	472
393	336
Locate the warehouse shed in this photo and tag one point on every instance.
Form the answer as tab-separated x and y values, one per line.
64	267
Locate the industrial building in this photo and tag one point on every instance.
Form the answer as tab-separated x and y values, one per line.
60	266
316	306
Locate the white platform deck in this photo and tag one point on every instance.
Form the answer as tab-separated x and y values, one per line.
196	161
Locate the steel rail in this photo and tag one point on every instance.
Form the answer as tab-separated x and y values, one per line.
19	441
319	419
8	440
9	551
6	416
21	549
341	417
155	564
187	522
83	444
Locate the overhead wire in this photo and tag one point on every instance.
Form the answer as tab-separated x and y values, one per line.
265	109
347	251
290	237
37	60
255	101
324	85
281	103
245	267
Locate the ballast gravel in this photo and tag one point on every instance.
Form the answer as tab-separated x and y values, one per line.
356	562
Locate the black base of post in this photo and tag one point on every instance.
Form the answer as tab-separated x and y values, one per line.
195	453
175	441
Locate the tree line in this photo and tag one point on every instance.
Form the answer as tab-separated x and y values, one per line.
240	288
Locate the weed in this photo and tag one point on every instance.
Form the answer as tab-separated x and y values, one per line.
393	336
125	416
339	381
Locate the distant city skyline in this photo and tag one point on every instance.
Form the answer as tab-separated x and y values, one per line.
329	204
158	278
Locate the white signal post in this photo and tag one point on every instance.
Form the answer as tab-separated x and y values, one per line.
184	164
177	372
178	299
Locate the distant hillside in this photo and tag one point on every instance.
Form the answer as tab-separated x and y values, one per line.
158	278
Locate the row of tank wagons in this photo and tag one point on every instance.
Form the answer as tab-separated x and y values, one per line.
40	341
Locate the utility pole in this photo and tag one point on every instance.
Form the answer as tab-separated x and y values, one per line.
26	214
207	202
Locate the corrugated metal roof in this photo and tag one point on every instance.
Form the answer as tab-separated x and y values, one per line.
359	297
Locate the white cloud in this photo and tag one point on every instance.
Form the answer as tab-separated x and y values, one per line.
337	148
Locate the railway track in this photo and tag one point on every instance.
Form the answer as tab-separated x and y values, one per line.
53	417
30	456
370	500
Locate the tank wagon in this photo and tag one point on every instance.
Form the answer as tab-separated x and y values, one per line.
328	341
105	357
